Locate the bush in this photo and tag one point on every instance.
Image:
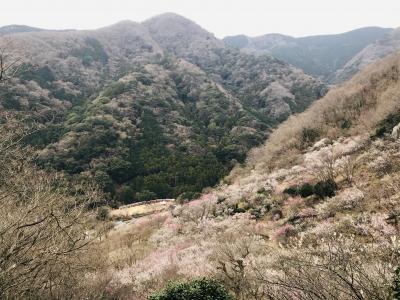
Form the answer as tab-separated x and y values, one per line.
240	207
292	191
243	205
386	125
345	124
204	289
261	190
309	135
256	213
238	210
306	190
102	213
396	285
322	189
325	188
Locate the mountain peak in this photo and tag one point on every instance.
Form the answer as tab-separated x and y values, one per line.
172	21
176	33
171	17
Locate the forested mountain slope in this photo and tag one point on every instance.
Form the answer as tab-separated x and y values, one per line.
151	109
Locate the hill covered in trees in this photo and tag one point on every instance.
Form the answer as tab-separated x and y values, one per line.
152	109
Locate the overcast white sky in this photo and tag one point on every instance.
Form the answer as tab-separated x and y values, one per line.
221	17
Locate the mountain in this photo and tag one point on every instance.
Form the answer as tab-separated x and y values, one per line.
388	44
11	29
320	56
180	36
309	208
152	109
308	214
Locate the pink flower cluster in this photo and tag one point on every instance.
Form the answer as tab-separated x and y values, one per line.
283	231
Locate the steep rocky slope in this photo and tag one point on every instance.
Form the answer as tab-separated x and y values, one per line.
150	109
320	56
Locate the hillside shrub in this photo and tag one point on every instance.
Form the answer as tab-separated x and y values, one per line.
238	209
385	126
396	284
322	189
345	124
292	190
102	213
243	206
325	188
306	190
204	289
257	213
309	135
261	190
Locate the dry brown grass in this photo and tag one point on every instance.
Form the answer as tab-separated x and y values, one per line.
128	243
364	101
140	210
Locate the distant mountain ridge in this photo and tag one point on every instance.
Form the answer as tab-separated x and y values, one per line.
388	44
332	58
320	56
11	29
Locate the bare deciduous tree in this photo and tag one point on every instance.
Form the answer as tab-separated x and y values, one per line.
327	170
348	166
235	262
340	268
44	231
197	213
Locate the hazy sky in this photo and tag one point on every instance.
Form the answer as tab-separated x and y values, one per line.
222	17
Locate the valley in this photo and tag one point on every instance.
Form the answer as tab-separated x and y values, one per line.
154	161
